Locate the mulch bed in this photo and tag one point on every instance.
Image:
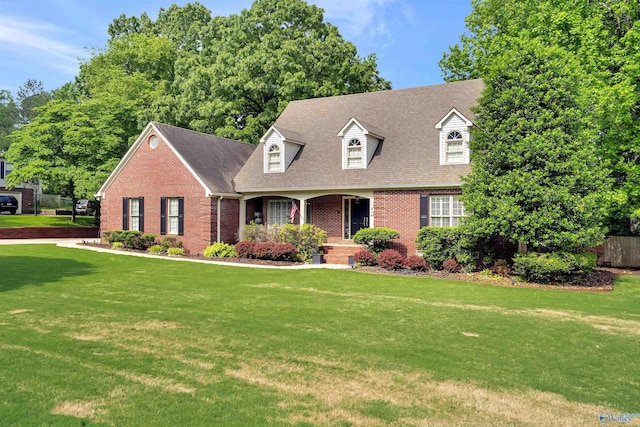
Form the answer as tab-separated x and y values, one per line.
600	281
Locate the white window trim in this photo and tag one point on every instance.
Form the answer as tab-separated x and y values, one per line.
134	220
355	145
458	141
272	150
450	219
173	228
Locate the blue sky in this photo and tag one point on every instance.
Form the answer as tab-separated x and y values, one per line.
43	39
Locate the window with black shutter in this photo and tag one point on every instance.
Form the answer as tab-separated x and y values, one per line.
424	210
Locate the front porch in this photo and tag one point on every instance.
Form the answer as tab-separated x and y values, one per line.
340	215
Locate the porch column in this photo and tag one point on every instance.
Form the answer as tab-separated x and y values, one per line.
303	210
243	218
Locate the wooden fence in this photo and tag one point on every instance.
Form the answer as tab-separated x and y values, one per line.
621	251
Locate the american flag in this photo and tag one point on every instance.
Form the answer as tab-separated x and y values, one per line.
294	211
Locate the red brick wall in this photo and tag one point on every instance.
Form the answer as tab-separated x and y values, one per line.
400	211
326	213
153	174
48	232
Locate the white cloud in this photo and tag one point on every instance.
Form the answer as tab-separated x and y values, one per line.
39	42
365	18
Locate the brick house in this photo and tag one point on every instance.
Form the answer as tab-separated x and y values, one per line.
176	182
25	193
393	159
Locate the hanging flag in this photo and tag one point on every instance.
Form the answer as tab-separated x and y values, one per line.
294	211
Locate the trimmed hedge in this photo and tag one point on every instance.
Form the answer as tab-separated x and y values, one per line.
375	239
267	251
131	239
416	263
553	266
439	244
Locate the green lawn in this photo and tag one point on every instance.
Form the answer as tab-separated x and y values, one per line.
108	339
26	220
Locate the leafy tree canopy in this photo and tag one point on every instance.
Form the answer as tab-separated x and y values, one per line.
9	118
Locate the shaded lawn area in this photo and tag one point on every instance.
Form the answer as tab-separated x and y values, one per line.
26	220
117	340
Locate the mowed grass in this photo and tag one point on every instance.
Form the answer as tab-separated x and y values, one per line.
107	339
26	220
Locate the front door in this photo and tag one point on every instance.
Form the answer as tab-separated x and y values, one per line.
356	216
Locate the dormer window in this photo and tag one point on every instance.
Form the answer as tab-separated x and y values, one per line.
454	138
354	153
454	147
274	159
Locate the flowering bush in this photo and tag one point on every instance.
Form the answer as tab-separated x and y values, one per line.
390	259
365	258
416	263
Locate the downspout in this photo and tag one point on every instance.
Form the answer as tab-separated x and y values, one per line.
218	218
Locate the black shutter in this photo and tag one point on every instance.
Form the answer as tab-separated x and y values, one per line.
125	213
141	208
1	170
180	216
424	210
163	216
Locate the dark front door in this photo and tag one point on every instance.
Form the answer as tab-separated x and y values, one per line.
358	214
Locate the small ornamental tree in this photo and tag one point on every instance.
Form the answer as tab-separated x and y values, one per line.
535	175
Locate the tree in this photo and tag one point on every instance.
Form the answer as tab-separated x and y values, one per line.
31	95
9	118
605	35
70	148
535	174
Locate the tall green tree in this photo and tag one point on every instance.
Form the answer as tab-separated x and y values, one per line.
535	174
9	118
604	35
30	96
69	147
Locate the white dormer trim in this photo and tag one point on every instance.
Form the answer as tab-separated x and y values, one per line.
454	138
355	134
274	141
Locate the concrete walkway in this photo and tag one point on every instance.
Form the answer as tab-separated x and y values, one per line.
77	244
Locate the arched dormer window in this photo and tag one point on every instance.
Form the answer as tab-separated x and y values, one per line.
454	147
274	160
354	153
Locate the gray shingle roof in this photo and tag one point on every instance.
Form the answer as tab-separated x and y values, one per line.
407	158
215	160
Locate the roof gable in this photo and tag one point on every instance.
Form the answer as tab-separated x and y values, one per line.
453	111
211	160
366	129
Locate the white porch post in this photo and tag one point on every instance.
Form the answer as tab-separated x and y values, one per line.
303	211
243	218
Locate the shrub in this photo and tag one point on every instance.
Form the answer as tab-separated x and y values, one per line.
116	245
275	251
416	263
156	249
307	238
258	233
390	259
175	251
170	242
245	249
131	239
553	266
220	250
451	266
375	239
501	267
441	243
365	258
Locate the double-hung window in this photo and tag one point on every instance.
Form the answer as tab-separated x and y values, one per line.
172	215
445	211
354	153
133	213
455	147
274	159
